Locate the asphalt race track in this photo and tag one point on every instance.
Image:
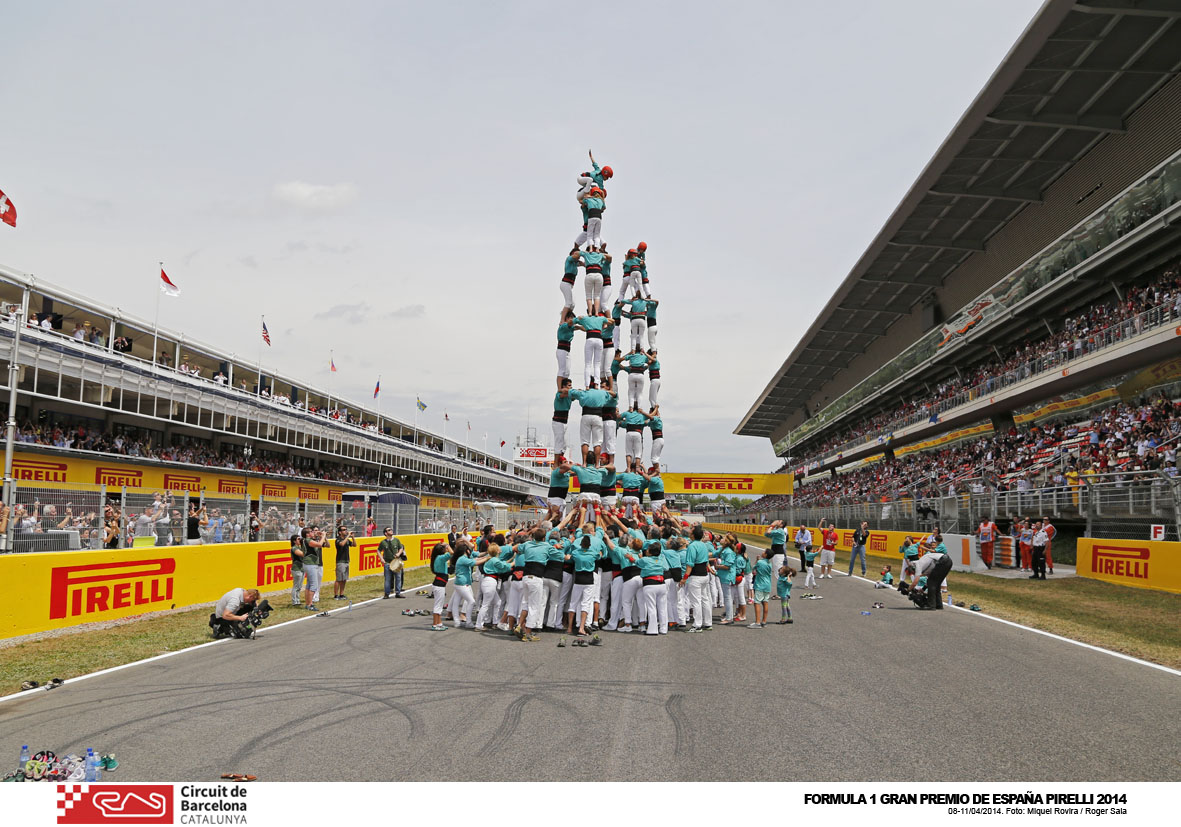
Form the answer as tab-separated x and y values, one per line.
372	695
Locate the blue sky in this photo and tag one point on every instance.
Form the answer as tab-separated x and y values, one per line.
395	181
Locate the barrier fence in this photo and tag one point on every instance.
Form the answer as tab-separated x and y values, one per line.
69	588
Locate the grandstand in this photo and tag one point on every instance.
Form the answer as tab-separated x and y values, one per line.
109	409
1008	344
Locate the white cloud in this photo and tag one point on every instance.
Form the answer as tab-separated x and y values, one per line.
316	197
410	311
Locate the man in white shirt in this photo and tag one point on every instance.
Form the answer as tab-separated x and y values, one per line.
1040	540
803	541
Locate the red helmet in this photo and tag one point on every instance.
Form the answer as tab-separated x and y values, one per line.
642	246
607	172
632	252
595	191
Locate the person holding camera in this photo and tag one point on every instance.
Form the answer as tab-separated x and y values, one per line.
196	521
313	566
393	556
232	609
345	540
934	566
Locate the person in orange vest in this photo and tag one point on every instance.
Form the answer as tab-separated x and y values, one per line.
1025	543
1050	532
988	534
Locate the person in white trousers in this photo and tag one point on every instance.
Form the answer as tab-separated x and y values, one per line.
632	275
653	367
656	425
633	614
697	574
633	421
653	570
636	365
637	312
651	322
590	430
595	203
565	343
554	570
672	579
610	424
593	326
605	295
569	277
561	418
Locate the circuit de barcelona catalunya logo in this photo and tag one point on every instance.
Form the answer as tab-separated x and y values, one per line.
115	804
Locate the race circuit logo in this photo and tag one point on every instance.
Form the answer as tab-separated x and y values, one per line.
29	469
719	483
1121	561
115	804
273	567
231	487
181	482
274	489
105	475
103	587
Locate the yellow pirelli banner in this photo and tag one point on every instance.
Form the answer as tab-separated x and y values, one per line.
68	588
753	484
46	469
1143	564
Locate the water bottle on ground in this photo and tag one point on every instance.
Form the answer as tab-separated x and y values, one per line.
24	757
91	765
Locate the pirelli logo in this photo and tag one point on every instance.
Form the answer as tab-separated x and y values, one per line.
847	538
182	482
308	493
1121	561
274	489
273	567
370	559
336	495
106	475
31	469
425	547
877	543
75	591
719	483
231	486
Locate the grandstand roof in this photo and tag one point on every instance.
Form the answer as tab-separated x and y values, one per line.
1074	76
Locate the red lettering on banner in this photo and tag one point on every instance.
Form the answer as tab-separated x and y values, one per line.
370	559
105	475
274	489
847	538
1121	561
877	542
181	482
75	590
425	547
336	495
307	492
231	486
719	483
28	469
273	567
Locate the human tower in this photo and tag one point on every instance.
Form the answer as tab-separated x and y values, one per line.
618	337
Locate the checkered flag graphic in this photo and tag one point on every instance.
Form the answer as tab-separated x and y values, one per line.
67	796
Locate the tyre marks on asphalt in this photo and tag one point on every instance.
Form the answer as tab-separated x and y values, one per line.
675	707
512	719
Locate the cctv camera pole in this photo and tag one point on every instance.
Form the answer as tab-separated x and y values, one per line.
10	431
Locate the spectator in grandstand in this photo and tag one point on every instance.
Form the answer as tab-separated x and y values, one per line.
198	518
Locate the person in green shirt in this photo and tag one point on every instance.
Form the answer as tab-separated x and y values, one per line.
464	559
636	364
653	568
593	260
651	321
561	416
296	568
783	589
496	571
632	273
569	276
762	573
697	571
887	580
595	202
776	533
724	566
440	562
637	312
593	326
393	557
633	421
565	342
610	421
313	566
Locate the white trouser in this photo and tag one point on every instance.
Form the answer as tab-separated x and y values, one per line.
699	600
567	294
617	333
635	388
616	602
639	332
585	183
558	503
605	301
777	561
513	604
593	282
653	390
594	357
559	437
672	601
631	281
489	601
644	287
533	601
582	602
630	505
657	449
631	589
810	580
461	604
656	608
440	595
739	596
590	430
609	427
553	596
683	602
635	444
566	589
564	363
715	591
651	336
594	227
596	585
605	362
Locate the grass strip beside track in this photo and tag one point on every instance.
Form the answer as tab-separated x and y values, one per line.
1137	622
82	652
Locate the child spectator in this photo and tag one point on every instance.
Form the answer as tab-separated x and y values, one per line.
887	580
783	587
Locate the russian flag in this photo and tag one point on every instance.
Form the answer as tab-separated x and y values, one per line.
377	389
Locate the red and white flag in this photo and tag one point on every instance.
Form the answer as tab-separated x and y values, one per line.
7	210
166	285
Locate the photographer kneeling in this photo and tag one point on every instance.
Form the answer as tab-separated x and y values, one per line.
934	565
232	610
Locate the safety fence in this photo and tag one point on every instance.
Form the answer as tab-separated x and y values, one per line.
70	588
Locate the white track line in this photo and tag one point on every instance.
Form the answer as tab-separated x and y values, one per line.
1092	647
31	692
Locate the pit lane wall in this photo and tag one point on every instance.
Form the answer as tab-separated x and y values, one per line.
963	548
1142	564
59	589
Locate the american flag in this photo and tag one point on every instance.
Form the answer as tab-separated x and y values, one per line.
266	335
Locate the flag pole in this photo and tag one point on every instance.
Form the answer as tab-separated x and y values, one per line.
379	403
331	364
156	322
416	398
259	388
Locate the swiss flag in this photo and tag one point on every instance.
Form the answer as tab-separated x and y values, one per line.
166	285
7	210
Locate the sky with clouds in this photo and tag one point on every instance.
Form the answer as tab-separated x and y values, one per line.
395	181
